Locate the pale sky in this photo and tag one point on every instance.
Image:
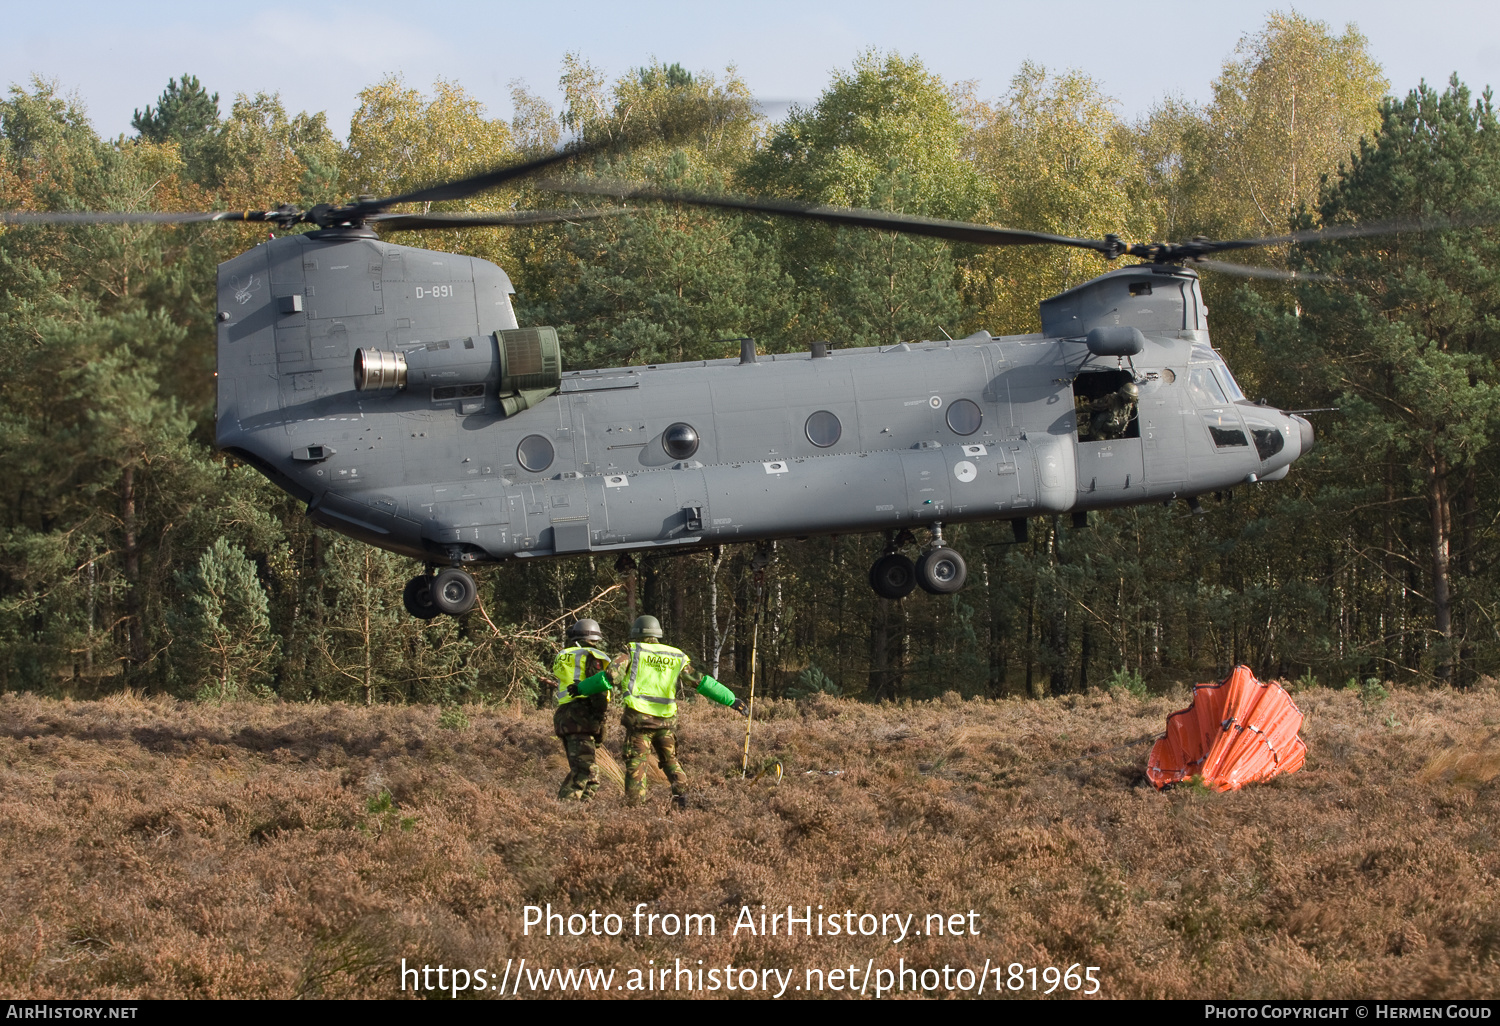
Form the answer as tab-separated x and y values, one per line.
119	56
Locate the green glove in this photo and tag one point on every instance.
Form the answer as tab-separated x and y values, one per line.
710	688
590	685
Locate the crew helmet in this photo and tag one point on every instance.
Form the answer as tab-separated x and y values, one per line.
1130	390
586	630
645	627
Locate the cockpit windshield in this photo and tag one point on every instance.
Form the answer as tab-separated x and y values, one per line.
1204	353
1227	380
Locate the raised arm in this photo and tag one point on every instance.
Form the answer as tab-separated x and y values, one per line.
712	689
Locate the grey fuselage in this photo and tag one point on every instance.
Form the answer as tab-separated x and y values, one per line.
446	479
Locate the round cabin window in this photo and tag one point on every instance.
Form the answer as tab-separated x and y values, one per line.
823	429
535	453
680	441
964	417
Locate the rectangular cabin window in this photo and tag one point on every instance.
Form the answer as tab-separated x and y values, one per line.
1140	288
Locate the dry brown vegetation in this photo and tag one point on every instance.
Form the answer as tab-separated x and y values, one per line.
155	848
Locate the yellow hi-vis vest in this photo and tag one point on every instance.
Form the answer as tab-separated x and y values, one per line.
651	682
571	667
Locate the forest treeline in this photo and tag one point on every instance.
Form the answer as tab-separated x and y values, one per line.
132	554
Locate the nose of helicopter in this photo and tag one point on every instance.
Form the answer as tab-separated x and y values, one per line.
1305	429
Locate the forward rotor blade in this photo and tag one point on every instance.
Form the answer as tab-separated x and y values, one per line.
138	217
953	231
1343	231
516	218
1246	271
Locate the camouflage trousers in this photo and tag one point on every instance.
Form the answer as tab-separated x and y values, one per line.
583	775
642	734
580	726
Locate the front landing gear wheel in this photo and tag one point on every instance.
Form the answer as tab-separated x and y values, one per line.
941	571
454	592
417	598
893	576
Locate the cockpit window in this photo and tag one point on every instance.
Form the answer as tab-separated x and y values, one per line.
1269	439
1225	429
1205	388
1203	353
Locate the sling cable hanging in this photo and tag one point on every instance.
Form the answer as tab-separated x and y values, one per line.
771	769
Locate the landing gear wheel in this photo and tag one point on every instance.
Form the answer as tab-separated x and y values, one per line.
417	598
893	576
941	571
454	592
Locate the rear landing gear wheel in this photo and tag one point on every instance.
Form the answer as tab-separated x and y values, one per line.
893	576
417	598
941	571
454	592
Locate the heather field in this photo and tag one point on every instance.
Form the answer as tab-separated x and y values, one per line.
156	848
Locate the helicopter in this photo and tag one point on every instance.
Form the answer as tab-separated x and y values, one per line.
393	391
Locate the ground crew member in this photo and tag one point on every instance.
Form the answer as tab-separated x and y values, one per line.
646	675
579	720
1113	412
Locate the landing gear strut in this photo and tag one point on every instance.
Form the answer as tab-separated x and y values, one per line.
451	591
939	570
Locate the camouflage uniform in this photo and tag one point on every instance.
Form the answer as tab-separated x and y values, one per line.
579	721
647	675
1113	414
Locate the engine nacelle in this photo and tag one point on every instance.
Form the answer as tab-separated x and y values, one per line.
518	362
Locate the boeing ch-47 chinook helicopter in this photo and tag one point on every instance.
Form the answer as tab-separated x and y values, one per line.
393	391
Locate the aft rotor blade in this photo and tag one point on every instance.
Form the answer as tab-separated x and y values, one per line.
463	188
1247	271
513	218
132	217
852	217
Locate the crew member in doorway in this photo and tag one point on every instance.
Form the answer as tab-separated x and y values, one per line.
646	675
1113	412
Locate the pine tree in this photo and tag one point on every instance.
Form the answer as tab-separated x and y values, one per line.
1408	334
188	116
226	645
184	112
